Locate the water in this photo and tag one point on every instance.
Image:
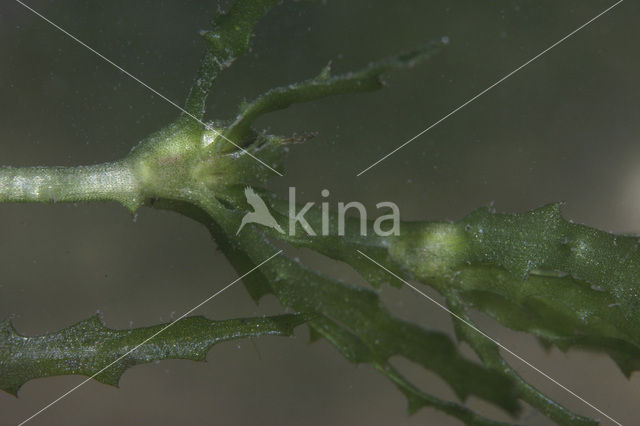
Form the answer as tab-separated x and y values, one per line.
563	129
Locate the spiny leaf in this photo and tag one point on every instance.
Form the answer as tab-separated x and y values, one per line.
490	355
354	320
484	258
365	80
543	240
89	346
547	303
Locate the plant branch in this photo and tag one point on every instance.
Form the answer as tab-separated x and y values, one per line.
531	271
354	320
567	284
365	80
548	303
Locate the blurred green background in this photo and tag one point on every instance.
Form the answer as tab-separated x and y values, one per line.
565	128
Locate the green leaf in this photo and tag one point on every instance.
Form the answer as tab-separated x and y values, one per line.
323	85
550	304
354	320
568	284
88	346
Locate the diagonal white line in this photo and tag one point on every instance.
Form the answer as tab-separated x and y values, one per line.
127	73
494	341
145	341
490	87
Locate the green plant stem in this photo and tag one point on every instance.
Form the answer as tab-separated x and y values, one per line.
101	182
